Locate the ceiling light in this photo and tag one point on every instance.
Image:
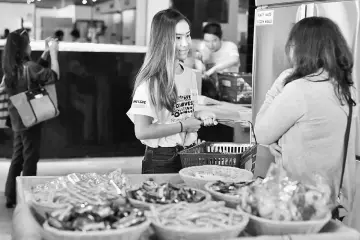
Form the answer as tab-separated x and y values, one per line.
84	2
94	0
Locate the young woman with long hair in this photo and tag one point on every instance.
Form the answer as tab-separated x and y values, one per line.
304	116
26	143
165	96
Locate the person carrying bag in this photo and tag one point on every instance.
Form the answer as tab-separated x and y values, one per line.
36	104
31	90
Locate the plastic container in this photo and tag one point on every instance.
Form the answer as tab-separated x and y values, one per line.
221	153
216	153
234	87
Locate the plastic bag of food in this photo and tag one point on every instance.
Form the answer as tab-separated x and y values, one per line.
77	188
280	197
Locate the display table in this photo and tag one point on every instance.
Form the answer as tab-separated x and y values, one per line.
231	111
26	226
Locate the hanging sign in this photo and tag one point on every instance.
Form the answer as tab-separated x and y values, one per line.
264	17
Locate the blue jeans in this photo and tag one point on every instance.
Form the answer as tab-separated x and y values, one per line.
26	154
161	160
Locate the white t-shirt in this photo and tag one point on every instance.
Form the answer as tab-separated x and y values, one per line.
227	49
185	106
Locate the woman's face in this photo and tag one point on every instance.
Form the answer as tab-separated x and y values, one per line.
212	42
183	40
291	54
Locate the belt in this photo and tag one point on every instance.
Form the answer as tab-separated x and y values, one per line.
176	148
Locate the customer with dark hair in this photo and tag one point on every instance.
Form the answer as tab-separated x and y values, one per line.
75	34
26	143
305	113
59	35
216	55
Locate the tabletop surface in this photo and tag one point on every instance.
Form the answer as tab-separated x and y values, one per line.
23	215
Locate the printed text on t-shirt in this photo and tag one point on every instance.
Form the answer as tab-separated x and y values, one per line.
184	106
139	101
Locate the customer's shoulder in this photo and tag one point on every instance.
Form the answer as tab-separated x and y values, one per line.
296	88
229	44
32	65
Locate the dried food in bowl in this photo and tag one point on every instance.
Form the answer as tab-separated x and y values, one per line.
232	188
86	218
165	193
231	193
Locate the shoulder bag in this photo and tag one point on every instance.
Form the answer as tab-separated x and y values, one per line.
335	212
36	105
4	103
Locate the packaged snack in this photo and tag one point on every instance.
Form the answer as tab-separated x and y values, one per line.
279	197
76	188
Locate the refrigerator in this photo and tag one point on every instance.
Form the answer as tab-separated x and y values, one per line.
273	21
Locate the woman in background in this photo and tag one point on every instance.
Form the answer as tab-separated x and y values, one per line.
304	116
165	96
26	143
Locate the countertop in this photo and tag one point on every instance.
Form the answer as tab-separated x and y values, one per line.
238	113
39	45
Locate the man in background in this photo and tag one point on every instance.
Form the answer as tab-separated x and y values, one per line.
59	35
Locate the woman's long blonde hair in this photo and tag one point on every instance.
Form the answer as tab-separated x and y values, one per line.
159	63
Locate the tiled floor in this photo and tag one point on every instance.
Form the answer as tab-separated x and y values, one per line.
62	167
5	219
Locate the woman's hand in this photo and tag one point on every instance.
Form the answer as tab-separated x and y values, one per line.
47	47
208	118
54	46
47	43
191	125
275	150
198	56
209	72
199	141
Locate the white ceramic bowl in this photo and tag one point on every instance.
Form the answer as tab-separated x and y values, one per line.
230	200
263	226
130	233
186	233
213	173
